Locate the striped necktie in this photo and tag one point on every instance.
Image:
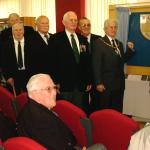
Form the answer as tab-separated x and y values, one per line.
75	48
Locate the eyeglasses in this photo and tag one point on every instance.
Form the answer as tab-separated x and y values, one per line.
86	25
55	87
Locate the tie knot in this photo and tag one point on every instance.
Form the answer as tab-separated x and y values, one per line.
46	36
72	35
113	41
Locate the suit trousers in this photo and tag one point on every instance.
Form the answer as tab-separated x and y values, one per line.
111	99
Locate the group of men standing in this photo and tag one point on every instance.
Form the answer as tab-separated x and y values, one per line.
78	63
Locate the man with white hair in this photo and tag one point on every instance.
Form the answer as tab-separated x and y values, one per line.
71	61
40	123
108	67
14	58
40	52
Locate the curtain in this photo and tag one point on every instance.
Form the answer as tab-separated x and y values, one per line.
98	11
9	6
123	24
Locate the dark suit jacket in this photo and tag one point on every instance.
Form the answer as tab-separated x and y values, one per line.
67	72
42	125
93	38
40	61
107	66
9	61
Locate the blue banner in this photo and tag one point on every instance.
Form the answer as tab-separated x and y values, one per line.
141	44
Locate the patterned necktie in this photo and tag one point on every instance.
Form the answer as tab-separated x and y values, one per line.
20	61
115	48
46	37
75	48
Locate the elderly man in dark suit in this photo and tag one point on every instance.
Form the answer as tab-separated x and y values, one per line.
37	121
108	67
40	123
84	26
40	52
14	57
71	61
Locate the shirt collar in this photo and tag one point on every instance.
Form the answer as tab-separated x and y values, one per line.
16	41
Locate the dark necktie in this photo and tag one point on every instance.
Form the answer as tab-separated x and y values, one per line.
113	44
75	48
115	48
20	61
46	37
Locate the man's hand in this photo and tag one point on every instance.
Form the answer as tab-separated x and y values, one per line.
100	88
10	81
88	88
130	45
84	148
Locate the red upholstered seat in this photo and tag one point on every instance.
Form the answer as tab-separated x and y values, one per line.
6	99
71	116
112	129
21	100
22	143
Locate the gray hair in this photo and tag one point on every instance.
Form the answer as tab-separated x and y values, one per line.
66	15
108	21
13	15
19	23
34	82
83	18
40	17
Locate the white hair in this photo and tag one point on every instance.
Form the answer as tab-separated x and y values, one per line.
66	15
34	82
108	21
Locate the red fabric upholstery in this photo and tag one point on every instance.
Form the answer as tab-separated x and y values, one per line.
6	99
21	100
22	143
71	115
112	129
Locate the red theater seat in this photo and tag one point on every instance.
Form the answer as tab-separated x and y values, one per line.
22	143
71	115
21	100
112	129
6	100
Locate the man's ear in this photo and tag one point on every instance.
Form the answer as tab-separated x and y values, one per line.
63	22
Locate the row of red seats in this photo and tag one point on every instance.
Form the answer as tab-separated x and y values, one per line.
21	143
108	127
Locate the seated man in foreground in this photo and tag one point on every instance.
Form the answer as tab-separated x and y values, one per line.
38	122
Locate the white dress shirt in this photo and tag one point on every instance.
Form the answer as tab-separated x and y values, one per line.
22	51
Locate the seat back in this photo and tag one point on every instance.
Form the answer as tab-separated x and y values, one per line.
1	145
6	99
7	128
22	143
21	100
112	129
71	115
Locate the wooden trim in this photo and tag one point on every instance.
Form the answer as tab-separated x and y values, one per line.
139	70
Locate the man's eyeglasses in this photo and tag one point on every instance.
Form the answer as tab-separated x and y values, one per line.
50	88
86	25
